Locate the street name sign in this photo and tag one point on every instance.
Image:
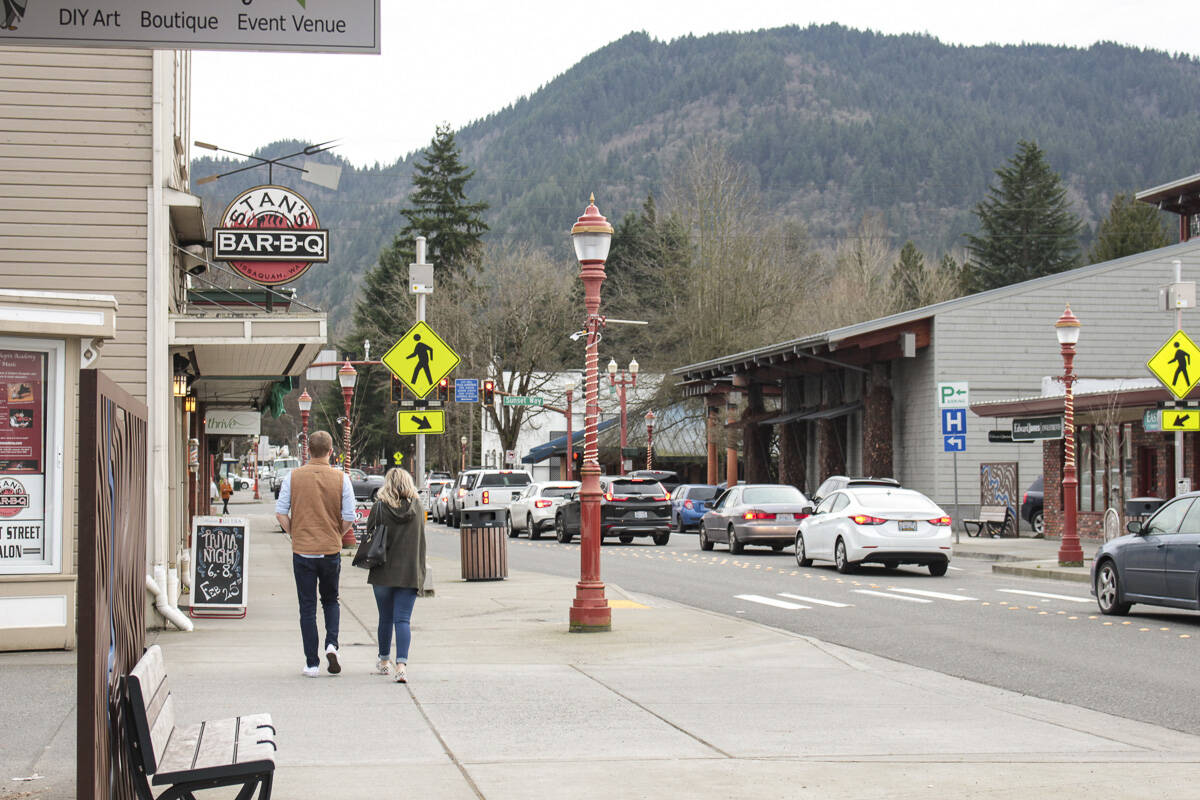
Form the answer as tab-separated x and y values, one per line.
420	359
1030	428
1184	420
410	423
1151	420
466	390
953	394
1177	364
520	400
1000	437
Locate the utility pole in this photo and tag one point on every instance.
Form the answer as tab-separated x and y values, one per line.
420	283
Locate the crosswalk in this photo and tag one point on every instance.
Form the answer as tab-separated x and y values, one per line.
900	594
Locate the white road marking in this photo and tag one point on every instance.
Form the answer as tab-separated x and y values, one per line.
958	569
770	601
892	596
958	598
814	600
1049	596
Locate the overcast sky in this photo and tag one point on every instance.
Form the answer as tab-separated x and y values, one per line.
458	60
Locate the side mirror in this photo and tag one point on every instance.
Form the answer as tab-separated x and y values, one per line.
808	510
1133	526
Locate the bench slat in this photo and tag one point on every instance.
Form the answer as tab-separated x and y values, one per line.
207	750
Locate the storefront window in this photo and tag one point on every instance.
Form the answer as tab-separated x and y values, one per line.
1104	459
1083	462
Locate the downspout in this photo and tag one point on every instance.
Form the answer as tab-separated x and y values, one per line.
161	602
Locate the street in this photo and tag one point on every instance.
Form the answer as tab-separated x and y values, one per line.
1040	637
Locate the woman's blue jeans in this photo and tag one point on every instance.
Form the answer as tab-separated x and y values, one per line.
395	613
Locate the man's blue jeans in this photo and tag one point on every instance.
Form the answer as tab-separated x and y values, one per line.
313	575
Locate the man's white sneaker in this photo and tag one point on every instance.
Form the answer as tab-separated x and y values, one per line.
383	667
401	672
312	672
331	655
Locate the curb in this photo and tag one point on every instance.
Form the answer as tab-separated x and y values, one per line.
981	555
1053	573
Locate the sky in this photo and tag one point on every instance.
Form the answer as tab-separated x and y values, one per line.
455	61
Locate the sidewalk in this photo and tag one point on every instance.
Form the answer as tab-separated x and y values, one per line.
674	702
1028	557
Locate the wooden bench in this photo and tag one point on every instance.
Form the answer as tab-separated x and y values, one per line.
206	755
993	519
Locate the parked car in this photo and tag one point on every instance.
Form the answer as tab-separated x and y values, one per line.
689	501
1031	506
629	507
429	492
534	509
494	488
1156	563
835	482
666	477
279	471
440	507
876	524
754	513
239	482
365	486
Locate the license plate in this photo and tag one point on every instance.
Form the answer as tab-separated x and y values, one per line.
908	525
784	517
639	515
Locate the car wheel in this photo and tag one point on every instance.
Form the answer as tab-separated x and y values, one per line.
777	548
512	532
938	568
840	560
560	530
534	533
1108	591
661	539
626	539
705	542
802	558
1038	523
456	522
891	564
735	546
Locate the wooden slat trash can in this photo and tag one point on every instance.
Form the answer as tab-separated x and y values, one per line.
483	545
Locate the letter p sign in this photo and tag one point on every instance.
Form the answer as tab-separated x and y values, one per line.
953	395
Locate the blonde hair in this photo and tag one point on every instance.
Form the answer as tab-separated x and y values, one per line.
320	444
397	486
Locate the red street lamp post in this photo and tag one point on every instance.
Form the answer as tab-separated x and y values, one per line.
305	402
569	389
649	439
1070	554
346	377
462	467
591	235
626	380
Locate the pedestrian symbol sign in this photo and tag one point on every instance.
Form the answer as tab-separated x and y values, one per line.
413	422
1186	419
1177	365
420	359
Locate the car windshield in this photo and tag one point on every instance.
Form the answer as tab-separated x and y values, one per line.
703	492
557	491
772	494
895	500
637	487
505	479
287	463
358	475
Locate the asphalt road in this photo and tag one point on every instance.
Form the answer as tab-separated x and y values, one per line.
1036	636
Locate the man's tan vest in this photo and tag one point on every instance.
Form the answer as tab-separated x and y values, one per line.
316	510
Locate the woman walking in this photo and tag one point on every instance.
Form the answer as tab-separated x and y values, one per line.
397	513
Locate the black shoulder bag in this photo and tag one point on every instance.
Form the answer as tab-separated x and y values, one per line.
372	550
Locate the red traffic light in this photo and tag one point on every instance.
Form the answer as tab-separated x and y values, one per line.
489	391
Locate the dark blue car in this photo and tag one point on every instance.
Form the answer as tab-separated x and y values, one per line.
689	501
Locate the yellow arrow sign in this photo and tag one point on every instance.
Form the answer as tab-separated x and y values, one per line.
409	423
420	359
1177	365
1187	419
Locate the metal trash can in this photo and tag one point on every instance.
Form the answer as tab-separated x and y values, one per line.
483	545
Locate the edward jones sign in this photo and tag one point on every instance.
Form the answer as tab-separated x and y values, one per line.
270	235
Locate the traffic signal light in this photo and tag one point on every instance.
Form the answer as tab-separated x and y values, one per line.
489	392
396	390
443	390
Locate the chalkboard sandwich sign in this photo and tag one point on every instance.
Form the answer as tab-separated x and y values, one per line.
220	558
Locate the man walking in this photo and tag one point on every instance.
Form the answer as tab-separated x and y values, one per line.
316	506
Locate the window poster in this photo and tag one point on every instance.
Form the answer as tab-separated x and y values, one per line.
22	458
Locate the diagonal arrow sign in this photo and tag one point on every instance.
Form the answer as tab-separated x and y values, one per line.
1181	420
422	423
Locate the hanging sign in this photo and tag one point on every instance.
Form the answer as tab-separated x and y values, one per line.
270	235
233	422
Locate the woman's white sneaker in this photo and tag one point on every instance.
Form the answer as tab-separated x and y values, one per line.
383	667
401	672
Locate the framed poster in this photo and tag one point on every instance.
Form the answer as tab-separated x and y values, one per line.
220	561
32	408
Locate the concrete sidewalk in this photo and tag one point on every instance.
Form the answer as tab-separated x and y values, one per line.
1028	557
674	702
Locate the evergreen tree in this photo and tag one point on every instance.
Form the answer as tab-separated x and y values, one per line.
909	278
1130	227
1027	228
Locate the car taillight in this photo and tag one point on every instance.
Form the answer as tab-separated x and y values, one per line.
1025	498
608	496
687	503
486	497
542	503
940	521
867	519
755	514
666	498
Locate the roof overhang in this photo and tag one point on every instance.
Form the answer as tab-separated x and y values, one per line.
1094	401
1178	197
187	216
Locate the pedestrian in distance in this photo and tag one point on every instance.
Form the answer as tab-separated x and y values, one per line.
226	493
398	514
316	508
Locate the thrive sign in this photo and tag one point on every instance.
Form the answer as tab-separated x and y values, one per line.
233	422
270	235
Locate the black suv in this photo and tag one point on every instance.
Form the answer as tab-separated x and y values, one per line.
1031	506
629	507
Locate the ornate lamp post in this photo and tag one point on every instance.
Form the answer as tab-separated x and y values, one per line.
592	236
305	403
254	462
569	389
1069	551
626	379
649	439
346	377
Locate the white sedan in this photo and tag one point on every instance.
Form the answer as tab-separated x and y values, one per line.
534	509
879	525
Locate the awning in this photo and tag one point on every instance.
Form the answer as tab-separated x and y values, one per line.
558	446
808	413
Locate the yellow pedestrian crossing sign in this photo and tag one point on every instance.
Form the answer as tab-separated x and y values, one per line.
1177	365
420	359
1184	419
419	420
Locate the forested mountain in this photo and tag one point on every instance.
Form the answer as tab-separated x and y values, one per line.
834	124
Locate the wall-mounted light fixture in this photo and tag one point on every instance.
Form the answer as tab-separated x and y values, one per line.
180	385
189	404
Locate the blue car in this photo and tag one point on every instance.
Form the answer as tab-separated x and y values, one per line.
689	501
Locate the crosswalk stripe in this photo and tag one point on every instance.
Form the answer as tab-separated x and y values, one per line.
1049	596
892	596
770	601
958	598
814	600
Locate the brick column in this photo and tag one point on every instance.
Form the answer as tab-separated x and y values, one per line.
1052	502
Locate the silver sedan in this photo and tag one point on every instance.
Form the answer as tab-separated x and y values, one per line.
755	513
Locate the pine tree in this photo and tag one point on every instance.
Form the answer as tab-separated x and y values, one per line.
1027	228
1130	227
909	278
